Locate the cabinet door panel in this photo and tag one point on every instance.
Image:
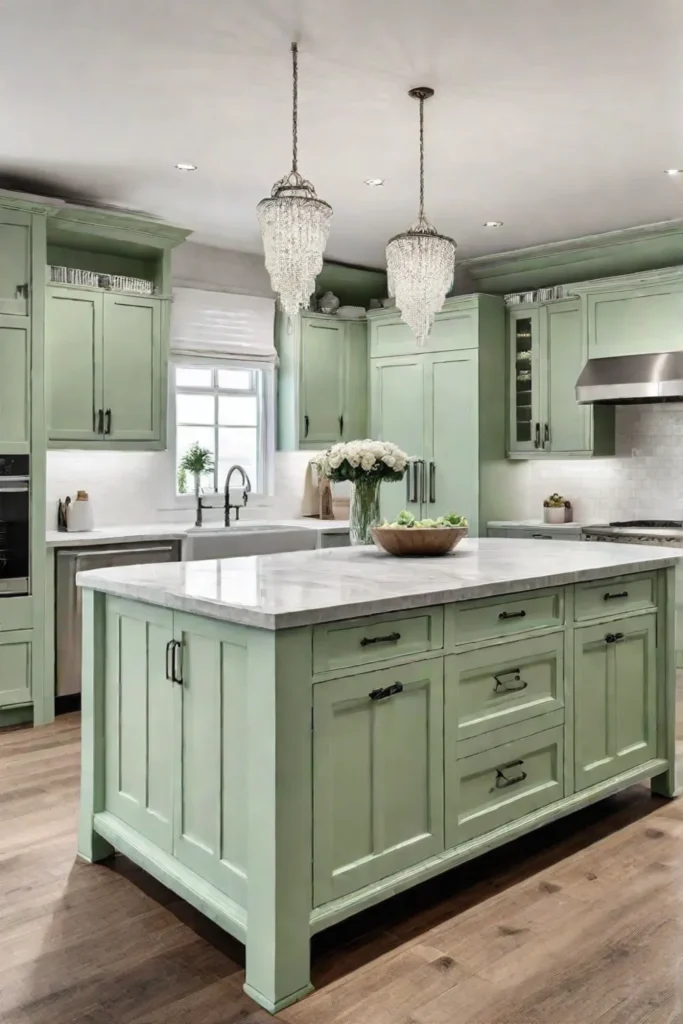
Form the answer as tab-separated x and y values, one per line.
73	346
451	431
568	423
210	812
322	368
132	368
377	776
15	377
15	667
398	415
139	715
15	271
355	404
615	698
525	391
646	319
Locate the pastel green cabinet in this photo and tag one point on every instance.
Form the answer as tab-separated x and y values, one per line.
322	381
630	318
398	413
15	262
15	667
615	698
547	351
105	369
15	381
377	776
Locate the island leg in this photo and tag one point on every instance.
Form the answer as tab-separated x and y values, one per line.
91	846
279	793
667	784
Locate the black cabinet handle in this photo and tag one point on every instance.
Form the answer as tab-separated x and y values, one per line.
341	425
614	638
541	536
99	429
512	615
386	691
107	429
22	291
305	426
502	780
613	597
390	638
432	481
537	439
503	686
177	663
169	664
546	435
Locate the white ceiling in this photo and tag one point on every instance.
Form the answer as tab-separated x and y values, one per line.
555	117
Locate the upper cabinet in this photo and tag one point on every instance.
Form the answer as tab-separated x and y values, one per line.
322	381
547	350
15	266
634	314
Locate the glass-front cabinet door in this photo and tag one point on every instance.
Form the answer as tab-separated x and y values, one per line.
524	348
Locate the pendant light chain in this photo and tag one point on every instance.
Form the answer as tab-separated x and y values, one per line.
295	107
422	158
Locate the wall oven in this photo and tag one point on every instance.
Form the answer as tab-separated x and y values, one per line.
15	525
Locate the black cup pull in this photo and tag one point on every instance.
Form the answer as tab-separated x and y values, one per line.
107	429
306	426
509	685
512	615
618	637
390	638
386	691
610	638
503	780
613	597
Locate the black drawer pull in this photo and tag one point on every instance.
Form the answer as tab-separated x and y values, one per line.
512	615
506	686
390	638
541	536
386	691
614	638
502	780
613	597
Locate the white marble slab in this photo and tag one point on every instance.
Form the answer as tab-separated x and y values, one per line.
175	531
532	524
304	587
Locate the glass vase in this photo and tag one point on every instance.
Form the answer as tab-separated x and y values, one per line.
364	510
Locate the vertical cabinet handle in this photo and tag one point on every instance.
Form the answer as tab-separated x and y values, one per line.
415	466
107	428
177	662
306	426
341	425
546	435
432	481
537	438
99	429
22	291
423	482
169	660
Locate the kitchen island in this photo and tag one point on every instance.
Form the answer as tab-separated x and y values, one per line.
288	739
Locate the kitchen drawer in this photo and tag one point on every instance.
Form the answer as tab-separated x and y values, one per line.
488	790
338	645
598	598
488	619
505	683
16	613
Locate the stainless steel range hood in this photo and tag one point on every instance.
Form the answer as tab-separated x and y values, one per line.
620	380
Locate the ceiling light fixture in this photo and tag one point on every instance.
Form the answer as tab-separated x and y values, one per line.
374	182
493	223
294	225
186	167
673	171
420	262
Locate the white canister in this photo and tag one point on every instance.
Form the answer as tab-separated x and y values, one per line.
79	514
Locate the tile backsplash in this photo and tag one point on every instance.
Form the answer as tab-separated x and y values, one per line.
644	480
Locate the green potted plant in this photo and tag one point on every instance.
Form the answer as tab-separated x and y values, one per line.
196	461
557	509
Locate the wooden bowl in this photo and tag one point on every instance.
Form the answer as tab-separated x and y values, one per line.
415	543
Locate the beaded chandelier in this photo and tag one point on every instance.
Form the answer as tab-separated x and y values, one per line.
420	262
294	225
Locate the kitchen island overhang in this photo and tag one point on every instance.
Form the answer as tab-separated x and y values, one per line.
388	719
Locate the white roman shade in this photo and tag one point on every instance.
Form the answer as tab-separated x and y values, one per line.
220	325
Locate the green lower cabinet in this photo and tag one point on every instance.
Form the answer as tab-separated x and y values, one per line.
15	667
15	381
615	700
377	776
502	783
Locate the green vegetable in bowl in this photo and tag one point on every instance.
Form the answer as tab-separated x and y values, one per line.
407	521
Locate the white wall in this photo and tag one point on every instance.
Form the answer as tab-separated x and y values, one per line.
202	266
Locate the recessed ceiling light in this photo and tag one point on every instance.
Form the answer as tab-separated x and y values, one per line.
186	167
374	182
493	223
674	170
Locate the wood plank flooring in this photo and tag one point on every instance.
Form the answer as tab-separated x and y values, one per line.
580	923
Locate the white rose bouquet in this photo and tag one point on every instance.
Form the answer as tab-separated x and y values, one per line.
363	461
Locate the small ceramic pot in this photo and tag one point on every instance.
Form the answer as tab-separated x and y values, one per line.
557	515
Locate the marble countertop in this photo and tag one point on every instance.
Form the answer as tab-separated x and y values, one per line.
531	524
305	587
175	531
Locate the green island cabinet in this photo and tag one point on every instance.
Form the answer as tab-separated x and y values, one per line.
322	381
547	350
283	779
444	405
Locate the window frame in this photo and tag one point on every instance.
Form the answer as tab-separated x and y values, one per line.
262	488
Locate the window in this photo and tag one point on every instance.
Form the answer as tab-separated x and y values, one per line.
223	407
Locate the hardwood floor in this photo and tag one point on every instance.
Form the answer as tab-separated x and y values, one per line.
580	923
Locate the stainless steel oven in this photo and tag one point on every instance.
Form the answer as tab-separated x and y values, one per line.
15	525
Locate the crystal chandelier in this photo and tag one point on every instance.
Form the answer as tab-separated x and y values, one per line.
420	262
294	225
